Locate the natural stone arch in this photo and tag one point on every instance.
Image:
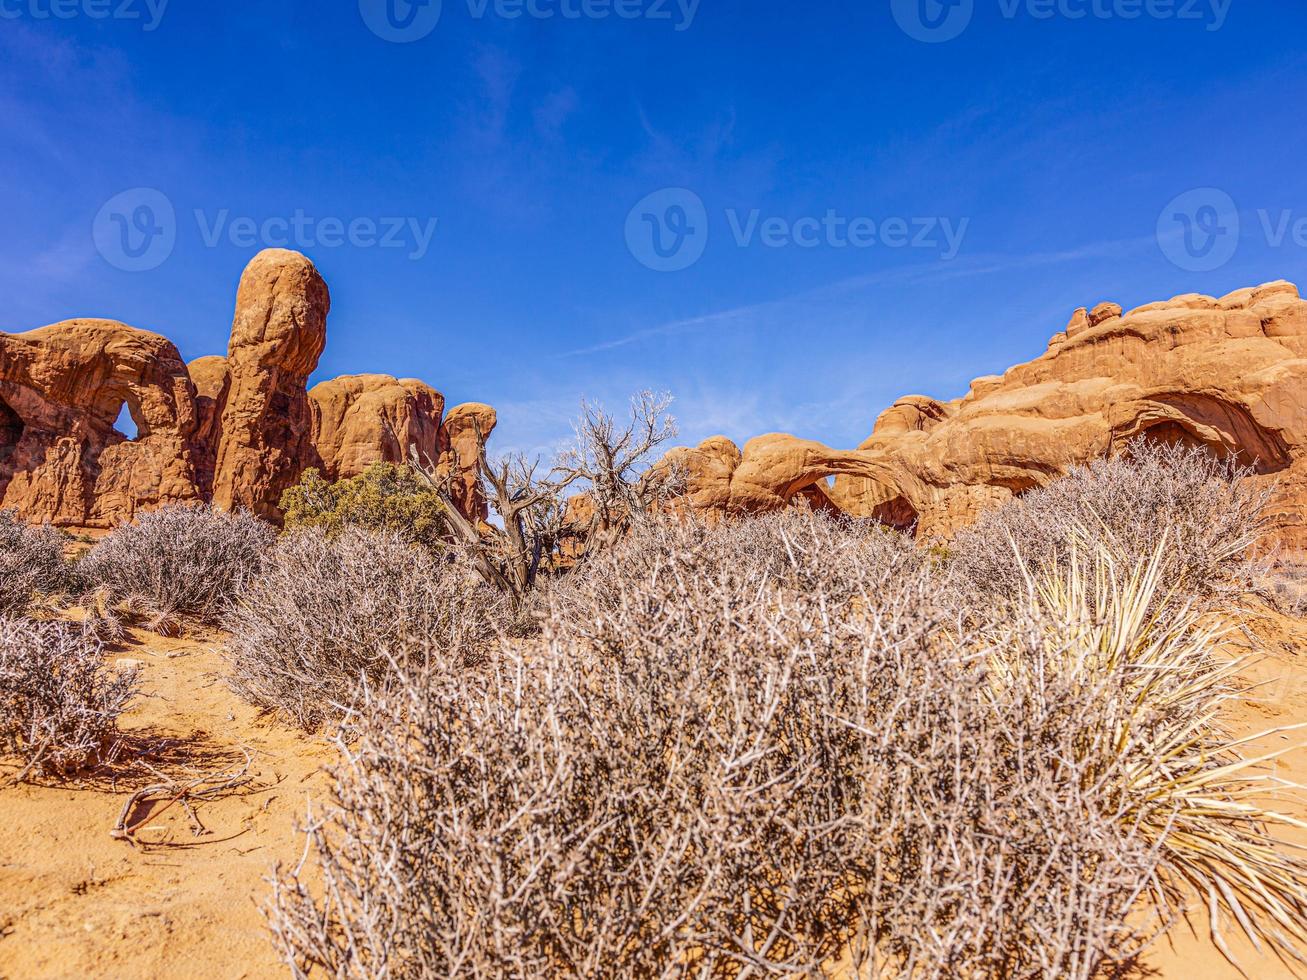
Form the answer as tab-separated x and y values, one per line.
899	513
131	407
1202	421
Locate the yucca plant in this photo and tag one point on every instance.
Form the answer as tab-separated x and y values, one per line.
1154	667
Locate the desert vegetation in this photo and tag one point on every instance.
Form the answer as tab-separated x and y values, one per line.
31	562
1287	587
609	738
1202	504
791	745
385	497
59	699
179	561
330	614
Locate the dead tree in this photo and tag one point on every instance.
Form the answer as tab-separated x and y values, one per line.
611	461
614	462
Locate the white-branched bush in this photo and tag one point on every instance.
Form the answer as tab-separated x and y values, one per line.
59	700
1205	508
179	561
785	745
329	613
795	549
31	562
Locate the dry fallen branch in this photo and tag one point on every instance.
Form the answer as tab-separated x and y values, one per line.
198	789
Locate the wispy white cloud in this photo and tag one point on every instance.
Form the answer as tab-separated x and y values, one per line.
800	304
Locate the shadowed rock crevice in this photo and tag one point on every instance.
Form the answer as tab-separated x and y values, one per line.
1222	427
11	433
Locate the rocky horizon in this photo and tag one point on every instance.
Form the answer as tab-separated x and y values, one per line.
1228	374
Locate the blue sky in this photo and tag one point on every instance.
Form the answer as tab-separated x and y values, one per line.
1050	145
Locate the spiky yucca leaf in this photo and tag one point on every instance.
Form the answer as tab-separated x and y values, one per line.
1176	776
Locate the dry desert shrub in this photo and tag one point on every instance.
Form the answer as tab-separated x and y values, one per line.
328	612
178	561
1203	506
59	701
385	497
794	549
31	562
750	756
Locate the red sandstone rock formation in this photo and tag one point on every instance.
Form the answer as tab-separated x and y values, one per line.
361	419
209	375
458	455
237	430
277	336
62	388
1229	374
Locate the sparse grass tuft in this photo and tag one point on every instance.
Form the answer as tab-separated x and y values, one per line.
1286	586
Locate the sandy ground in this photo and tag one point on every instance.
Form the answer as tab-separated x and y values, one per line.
76	903
1278	648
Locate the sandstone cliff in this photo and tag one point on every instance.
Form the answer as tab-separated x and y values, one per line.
62	388
1227	373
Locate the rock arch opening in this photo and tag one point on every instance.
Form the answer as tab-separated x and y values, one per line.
127	425
898	513
1225	429
1174	435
